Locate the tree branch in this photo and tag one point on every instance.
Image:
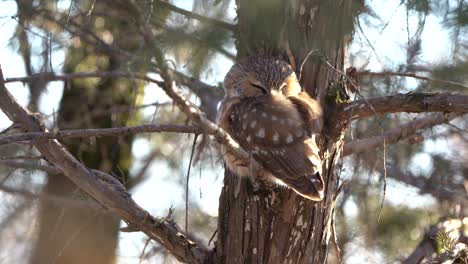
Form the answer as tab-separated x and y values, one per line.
405	74
208	94
104	188
396	134
99	132
410	102
192	111
201	18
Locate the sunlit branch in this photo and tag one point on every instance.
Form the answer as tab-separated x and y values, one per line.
100	132
410	102
406	74
397	134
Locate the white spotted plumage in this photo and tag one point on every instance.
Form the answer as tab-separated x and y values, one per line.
275	123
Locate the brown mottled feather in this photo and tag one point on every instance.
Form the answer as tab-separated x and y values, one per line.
265	111
295	162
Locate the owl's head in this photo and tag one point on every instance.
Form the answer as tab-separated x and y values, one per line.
260	76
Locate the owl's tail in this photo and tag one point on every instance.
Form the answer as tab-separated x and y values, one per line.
310	186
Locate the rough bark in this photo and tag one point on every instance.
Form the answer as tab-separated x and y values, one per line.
258	224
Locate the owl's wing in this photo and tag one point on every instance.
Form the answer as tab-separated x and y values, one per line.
310	110
279	140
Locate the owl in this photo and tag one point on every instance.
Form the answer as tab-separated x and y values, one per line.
265	111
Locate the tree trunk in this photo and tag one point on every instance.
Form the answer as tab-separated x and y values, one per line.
260	225
78	235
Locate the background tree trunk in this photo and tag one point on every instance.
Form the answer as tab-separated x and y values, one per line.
258	225
79	235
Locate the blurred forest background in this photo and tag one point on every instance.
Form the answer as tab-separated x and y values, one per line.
40	219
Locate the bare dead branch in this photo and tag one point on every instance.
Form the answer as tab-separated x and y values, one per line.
394	135
406	74
201	18
100	132
410	102
106	192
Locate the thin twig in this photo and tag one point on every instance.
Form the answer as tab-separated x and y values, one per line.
350	80
212	236
385	180
187	183
304	62
142	255
71	237
92	8
69	12
101	132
